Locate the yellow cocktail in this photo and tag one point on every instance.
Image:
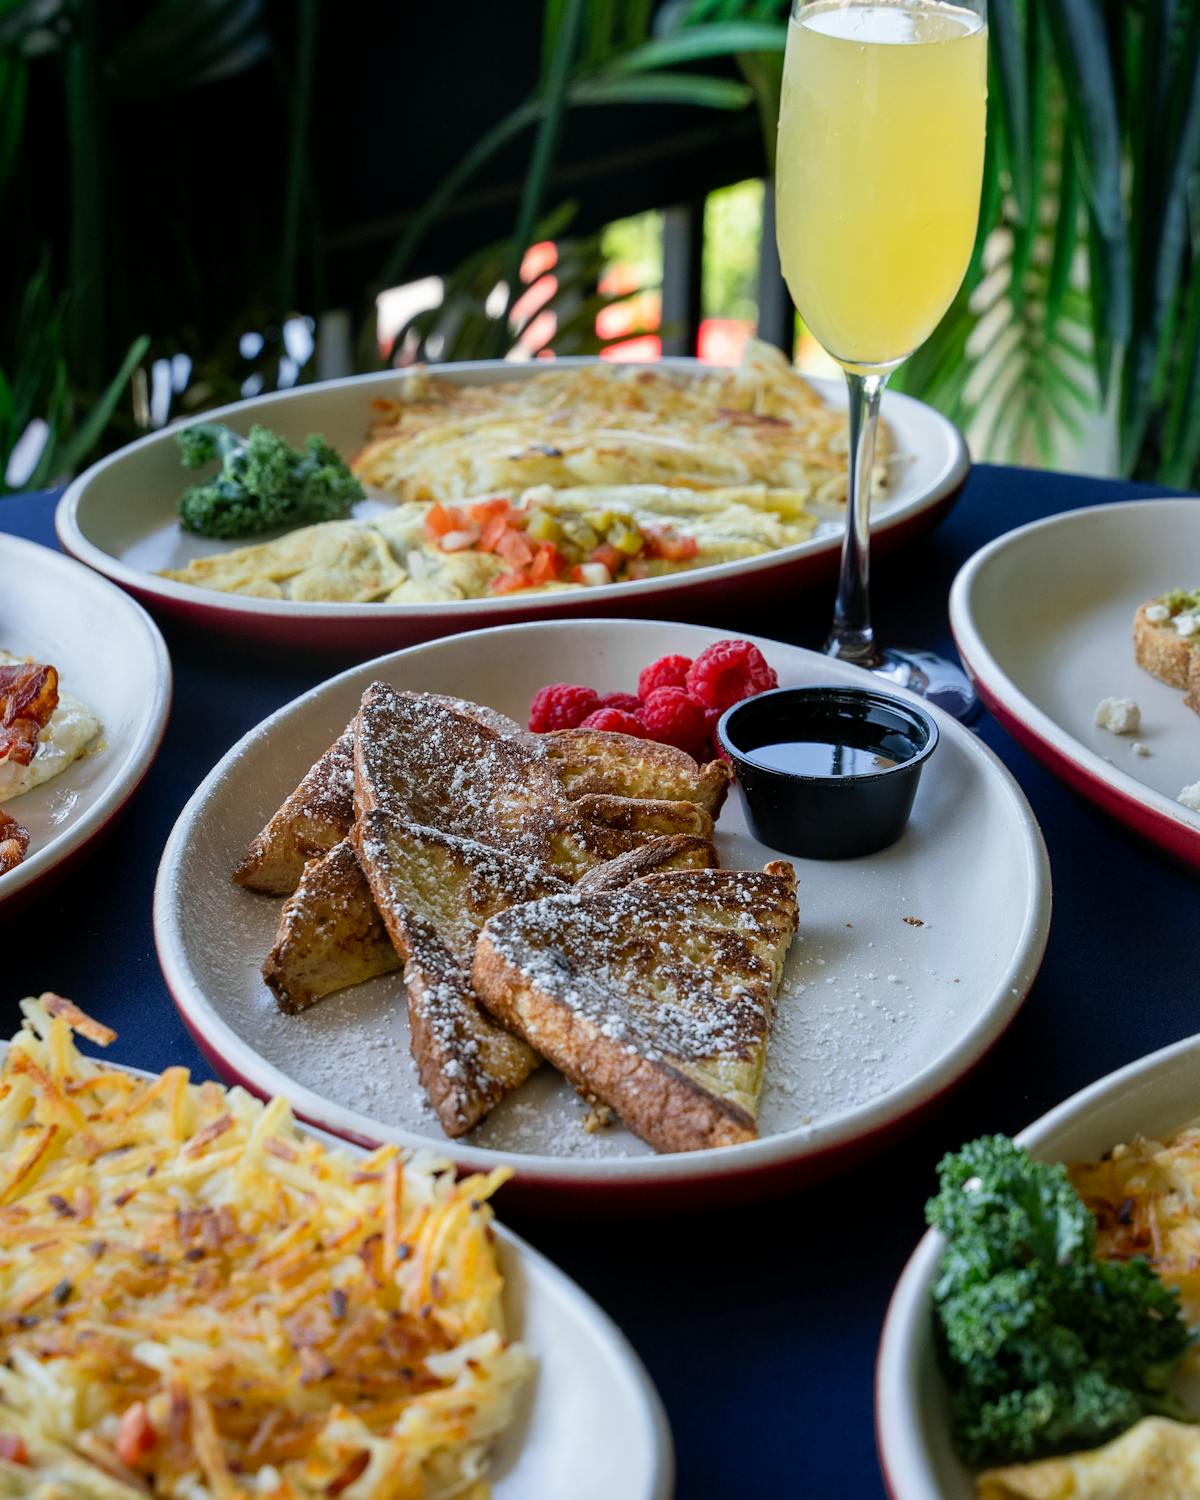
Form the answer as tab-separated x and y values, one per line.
878	171
881	133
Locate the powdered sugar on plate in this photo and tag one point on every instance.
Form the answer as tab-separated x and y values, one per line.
869	1002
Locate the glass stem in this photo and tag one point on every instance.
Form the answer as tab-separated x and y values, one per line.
852	638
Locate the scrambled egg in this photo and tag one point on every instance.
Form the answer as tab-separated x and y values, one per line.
72	728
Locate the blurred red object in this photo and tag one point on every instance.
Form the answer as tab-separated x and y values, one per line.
639	351
722	341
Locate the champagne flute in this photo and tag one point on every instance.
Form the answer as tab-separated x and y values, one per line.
878	174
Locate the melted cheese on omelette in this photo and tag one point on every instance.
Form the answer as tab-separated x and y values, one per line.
602	425
733	459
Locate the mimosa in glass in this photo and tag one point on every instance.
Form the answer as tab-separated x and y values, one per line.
878	172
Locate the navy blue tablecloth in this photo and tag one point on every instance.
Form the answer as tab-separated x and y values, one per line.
759	1326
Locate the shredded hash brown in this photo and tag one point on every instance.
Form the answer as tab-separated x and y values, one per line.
197	1299
1146	1200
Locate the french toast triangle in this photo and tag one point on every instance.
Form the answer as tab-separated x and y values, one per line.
657	997
596	761
434	891
677	851
423	762
320	812
601	771
329	936
311	820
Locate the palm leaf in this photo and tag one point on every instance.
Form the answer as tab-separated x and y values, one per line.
1086	67
88	434
1171	152
1066	237
713	39
1181	444
1012	93
1025	224
998	364
664	88
182	43
554	102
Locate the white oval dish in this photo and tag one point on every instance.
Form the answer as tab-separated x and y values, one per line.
1043	620
108	653
1152	1096
592	1425
891	1014
119	518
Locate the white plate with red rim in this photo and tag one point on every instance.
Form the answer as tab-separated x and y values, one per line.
591	1425
108	653
878	1015
1153	1096
1043	620
120	518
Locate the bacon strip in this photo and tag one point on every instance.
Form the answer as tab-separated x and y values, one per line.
28	696
14	842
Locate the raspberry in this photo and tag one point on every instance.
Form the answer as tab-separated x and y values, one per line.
628	703
616	721
561	706
667	671
728	671
669	715
711	715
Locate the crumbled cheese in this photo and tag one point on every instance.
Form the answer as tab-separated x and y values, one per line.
1139	748
1190	796
1156	613
1186	625
1118	715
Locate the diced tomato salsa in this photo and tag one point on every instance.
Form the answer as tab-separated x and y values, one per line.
540	547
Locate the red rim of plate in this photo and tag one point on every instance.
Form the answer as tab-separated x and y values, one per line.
751	1170
282	621
1121	796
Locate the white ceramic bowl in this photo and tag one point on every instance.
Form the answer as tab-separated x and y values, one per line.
878	1016
1043	618
120	518
1152	1096
109	653
592	1425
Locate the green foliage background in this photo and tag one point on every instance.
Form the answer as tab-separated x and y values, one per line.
1083	293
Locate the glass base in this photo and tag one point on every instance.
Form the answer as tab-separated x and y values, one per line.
942	682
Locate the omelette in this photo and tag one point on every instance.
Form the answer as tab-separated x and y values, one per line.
602	473
1156	1459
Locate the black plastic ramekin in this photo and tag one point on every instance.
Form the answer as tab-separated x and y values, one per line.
828	816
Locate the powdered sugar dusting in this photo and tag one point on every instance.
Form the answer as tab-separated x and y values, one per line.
678	966
862	1009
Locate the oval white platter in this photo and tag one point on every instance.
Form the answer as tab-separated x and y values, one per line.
119	517
1152	1097
1043	619
877	1017
108	653
592	1425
